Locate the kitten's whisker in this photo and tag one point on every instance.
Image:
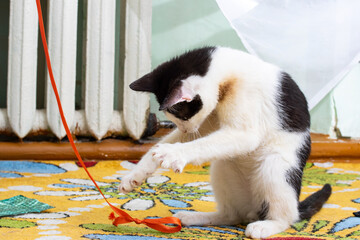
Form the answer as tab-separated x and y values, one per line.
193	136
183	139
211	126
197	133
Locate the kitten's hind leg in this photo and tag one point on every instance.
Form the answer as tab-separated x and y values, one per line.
229	183
277	200
266	228
188	218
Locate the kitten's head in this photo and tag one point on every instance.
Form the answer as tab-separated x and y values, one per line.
179	88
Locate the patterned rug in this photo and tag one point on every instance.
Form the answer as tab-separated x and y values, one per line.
79	212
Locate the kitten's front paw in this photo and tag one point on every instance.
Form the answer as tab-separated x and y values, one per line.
131	181
168	156
190	218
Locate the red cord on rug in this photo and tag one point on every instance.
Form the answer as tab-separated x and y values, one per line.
159	224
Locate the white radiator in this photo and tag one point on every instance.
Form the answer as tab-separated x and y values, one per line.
98	118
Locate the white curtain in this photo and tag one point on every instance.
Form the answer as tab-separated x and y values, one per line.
316	41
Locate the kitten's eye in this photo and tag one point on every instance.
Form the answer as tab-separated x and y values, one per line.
186	110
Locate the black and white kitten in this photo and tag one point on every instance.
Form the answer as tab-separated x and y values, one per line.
250	120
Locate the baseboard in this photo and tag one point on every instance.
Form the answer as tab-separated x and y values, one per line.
343	149
110	149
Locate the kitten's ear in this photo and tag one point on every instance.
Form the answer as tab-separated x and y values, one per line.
178	95
144	84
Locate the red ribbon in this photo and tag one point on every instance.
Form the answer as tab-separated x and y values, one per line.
156	223
159	224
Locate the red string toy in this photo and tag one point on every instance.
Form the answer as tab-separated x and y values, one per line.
159	224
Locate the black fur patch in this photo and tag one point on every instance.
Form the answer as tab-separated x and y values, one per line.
294	175
314	202
292	108
166	78
186	110
263	211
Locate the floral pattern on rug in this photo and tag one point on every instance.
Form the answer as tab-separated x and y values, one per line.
80	212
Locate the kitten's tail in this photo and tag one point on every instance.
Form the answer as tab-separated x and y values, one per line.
314	202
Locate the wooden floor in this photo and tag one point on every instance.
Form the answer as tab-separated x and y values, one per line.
323	149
